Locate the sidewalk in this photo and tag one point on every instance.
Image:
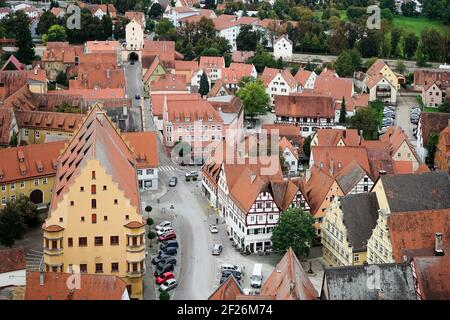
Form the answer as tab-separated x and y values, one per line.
152	195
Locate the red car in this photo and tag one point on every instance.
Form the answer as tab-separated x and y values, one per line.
164	277
167	236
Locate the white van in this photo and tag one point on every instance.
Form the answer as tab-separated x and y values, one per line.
256	277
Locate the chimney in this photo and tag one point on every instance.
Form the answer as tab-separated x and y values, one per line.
344	134
35	71
307	174
41	278
361	134
331	167
438	251
252	177
382	172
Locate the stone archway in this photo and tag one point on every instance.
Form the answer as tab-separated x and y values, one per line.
133	56
37	196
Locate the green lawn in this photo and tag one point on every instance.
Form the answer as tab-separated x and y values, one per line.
417	24
429	109
343	14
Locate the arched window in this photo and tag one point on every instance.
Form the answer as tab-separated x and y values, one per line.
93	189
94	204
94	218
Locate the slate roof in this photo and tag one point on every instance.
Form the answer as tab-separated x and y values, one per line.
360	218
418	191
350	176
350	283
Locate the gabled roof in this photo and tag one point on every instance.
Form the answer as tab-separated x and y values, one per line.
195	110
211	62
284	143
417	191
376	79
350	283
331	86
97	139
270	73
317	187
228	290
331	137
157	100
12	260
433	277
58	121
350	175
226	104
415	230
360	218
283	192
241	56
149	72
302	76
376	67
13	64
92	287
169	82
217	87
379	155
136	15
145	148
181	65
288	281
299	105
28	162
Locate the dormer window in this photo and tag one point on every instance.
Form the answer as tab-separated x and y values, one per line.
210	119
187	119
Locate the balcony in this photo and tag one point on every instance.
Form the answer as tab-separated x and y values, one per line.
53	252
136	248
135	274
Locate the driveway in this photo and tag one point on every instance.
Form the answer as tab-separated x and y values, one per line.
404	104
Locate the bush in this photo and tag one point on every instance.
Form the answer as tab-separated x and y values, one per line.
188	179
164	296
194	178
148	209
150	221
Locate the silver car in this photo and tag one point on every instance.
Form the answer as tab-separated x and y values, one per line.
217	249
168	285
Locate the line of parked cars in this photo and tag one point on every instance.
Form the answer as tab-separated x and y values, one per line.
165	260
230	269
388	118
414	116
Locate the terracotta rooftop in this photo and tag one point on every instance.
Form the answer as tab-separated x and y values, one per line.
415	230
284	143
169	82
236	71
144	147
270	73
12	260
228	290
6	122
317	188
13	64
149	72
61	52
331	137
297	105
331	86
211	62
222	104
302	76
136	15
12	80
29	162
425	77
58	121
98	139
157	100
92	287
99	78
379	155
181	65
375	68
241	56
289	281
193	110
217	88
433	277
432	122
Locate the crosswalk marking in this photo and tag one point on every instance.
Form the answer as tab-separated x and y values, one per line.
168	168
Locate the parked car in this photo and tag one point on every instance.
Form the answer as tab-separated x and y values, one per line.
163	268
170	235
168	285
236	274
160	257
164	230
217	249
213	228
163	224
169	243
170	251
164	277
232	267
191	174
173	181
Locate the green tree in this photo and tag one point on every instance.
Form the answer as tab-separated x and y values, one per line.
433	141
247	39
14	140
119	28
204	85
396	35
47	20
343	65
365	119
211	52
12	226
28	211
343	113
106	27
151	235
165	30
67	108
409	9
156	11
164	295
370	44
432	44
400	66
61	78
16	26
388	4
307	146
254	98
445	107
411	44
295	229
262	59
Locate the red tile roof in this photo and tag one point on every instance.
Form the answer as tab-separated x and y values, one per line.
96	138
157	100
298	105
13	64
331	86
169	82
38	160
61	52
416	230
433	277
241	56
181	65
236	71
376	67
331	137
211	62
227	290
302	76
145	148
98	78
432	122
92	287
6	121
57	121
289	281
12	260
195	109
136	15
270	73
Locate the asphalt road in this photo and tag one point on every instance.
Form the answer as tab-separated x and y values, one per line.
133	80
404	104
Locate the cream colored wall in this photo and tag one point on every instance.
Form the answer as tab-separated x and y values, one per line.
43	135
75	228
37	88
404	153
29	186
387	72
381	196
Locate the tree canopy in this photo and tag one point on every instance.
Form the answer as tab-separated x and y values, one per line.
254	98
